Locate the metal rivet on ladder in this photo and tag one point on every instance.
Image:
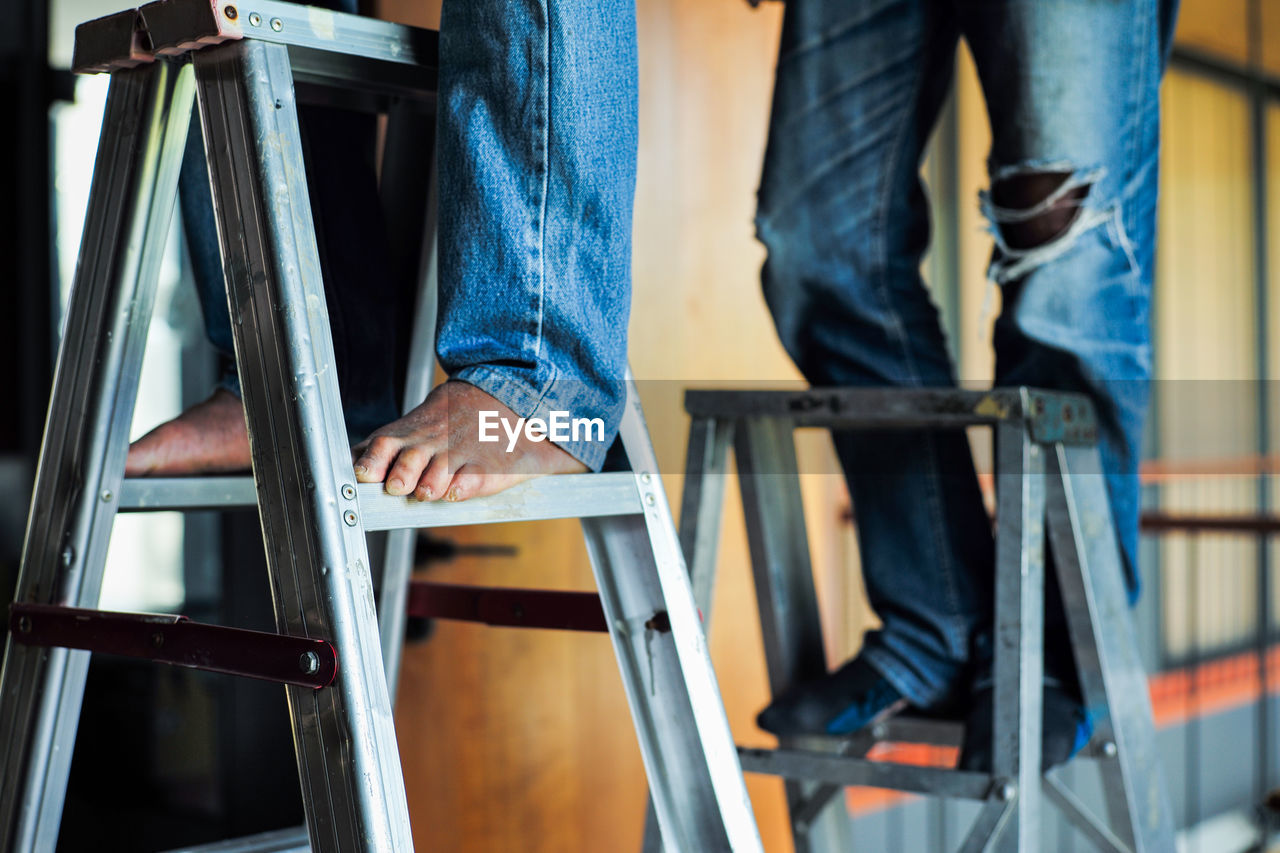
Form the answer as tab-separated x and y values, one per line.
348	491
24	624
106	495
1007	791
68	556
277	24
650	499
309	663
255	19
350	518
1109	749
230	12
646	478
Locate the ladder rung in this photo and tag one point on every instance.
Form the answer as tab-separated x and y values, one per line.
939	731
172	639
539	499
292	840
806	765
155	494
512	608
922	730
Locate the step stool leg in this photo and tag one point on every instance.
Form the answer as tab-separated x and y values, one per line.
1019	634
694	775
1112	676
87	434
702	507
769	479
319	569
701	511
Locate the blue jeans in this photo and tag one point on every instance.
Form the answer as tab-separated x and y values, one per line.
1072	90
536	149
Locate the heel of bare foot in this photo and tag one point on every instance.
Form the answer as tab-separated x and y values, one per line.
435	452
208	438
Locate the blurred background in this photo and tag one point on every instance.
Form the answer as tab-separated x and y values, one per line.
521	741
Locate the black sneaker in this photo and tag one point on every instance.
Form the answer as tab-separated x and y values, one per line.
1067	727
841	703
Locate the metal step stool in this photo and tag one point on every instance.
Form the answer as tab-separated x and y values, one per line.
241	64
1047	483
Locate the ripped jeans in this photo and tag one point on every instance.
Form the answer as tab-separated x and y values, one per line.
1072	90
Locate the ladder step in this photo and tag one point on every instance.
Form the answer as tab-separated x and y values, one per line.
539	499
156	494
172	639
940	731
1052	416
512	608
292	840
810	766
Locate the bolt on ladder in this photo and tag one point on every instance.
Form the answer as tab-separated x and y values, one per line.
1048	483
241	65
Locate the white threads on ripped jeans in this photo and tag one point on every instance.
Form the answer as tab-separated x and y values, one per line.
1012	263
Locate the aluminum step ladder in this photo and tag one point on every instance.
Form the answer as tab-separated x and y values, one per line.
247	64
1048	483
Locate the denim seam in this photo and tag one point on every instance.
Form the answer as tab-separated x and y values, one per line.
544	115
529	398
1142	36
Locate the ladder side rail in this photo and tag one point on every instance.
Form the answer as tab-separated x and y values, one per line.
702	507
86	436
1019	631
768	478
1112	675
320	576
701	511
689	755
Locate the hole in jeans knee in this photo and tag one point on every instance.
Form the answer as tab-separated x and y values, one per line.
1029	191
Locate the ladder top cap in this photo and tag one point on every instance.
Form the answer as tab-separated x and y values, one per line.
114	41
177	27
168	27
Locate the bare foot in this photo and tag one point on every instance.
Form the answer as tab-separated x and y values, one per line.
435	451
209	438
